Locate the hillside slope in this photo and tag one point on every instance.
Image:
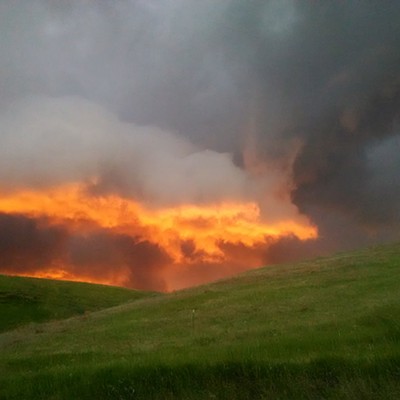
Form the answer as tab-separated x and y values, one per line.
323	329
24	300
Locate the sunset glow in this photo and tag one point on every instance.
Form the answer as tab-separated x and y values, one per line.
189	234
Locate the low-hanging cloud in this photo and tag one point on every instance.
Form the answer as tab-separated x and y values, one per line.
49	141
28	244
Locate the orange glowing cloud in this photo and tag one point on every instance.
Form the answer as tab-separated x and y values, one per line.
206	224
188	234
87	196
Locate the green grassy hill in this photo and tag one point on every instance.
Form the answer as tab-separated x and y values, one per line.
25	300
322	329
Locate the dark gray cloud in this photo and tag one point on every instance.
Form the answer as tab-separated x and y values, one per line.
103	254
33	245
26	244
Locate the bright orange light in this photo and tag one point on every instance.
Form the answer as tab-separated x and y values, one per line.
64	275
205	226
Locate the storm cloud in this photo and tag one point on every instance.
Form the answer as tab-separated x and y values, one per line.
177	101
28	244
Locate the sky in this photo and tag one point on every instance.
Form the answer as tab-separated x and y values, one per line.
161	144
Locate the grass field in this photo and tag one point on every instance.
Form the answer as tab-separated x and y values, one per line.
323	329
25	300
